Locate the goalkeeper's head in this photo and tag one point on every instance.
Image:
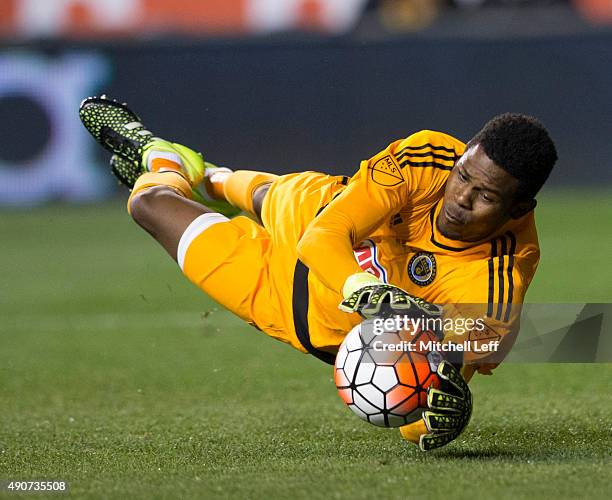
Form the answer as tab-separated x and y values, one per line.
497	178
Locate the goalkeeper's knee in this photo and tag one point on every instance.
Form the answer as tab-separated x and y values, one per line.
171	179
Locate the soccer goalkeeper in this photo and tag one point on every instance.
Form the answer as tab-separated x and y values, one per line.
427	220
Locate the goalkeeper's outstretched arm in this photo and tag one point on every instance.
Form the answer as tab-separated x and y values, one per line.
327	245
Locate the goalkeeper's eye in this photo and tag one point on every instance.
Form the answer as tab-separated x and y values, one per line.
486	197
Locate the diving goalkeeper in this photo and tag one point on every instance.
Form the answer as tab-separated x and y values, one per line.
428	220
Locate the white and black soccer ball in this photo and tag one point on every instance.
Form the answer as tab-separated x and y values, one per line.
384	377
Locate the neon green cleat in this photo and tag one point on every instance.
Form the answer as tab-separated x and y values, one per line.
115	126
118	129
159	154
125	170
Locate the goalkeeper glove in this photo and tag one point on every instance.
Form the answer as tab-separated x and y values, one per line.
449	411
365	294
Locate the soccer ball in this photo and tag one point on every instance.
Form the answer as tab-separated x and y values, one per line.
383	377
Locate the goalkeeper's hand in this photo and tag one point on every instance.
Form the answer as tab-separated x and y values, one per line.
365	293
449	411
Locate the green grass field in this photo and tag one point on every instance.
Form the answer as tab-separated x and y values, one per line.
119	377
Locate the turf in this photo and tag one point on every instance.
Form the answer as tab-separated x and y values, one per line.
119	377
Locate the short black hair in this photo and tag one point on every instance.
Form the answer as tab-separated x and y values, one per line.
521	145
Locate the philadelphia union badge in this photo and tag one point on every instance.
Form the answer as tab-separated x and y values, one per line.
422	268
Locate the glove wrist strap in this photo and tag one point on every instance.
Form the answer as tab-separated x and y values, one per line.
356	281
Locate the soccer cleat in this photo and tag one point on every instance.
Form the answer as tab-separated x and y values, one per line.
125	170
115	126
160	155
136	150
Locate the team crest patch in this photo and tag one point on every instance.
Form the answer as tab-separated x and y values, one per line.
386	172
422	268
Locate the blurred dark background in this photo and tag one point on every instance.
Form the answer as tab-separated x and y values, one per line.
299	84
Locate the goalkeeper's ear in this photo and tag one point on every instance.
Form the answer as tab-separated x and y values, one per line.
522	207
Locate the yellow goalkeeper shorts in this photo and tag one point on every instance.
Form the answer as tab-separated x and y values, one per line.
249	269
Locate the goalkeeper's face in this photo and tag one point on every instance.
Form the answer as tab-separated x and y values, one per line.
480	197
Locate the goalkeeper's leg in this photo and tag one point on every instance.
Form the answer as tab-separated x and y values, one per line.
244	189
165	212
161	202
136	151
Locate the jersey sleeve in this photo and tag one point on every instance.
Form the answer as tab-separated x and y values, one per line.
387	182
493	302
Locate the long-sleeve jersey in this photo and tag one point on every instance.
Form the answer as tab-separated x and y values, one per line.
385	220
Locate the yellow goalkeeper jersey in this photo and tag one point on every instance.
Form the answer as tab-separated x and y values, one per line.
384	223
285	277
